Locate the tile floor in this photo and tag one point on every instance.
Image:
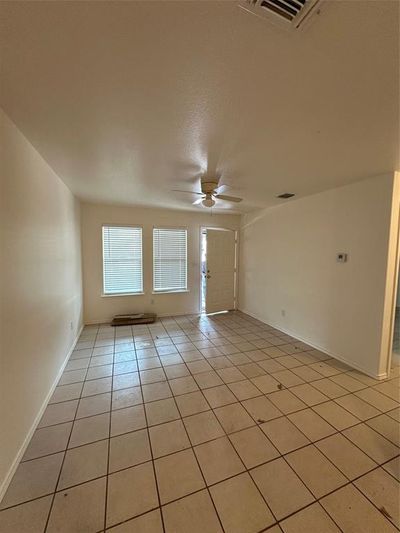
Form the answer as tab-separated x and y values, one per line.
208	424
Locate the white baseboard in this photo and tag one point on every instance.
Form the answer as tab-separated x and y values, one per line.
352	364
4	485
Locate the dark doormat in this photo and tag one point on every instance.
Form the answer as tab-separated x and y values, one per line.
133	319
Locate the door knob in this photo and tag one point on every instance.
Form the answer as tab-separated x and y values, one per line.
208	276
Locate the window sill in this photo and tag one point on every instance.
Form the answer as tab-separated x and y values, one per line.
170	292
122	294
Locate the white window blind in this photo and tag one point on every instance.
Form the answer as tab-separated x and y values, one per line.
169	259
122	260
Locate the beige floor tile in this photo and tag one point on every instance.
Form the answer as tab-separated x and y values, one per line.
389	390
147	523
387	427
90	429
131	492
229	375
348	458
194	514
284	435
330	389
384	491
261	409
126	398
362	410
393	467
266	384
161	411
306	373
178	475
316	471
48	440
83	464
207	380
219	396
372	443
252	370
94	405
286	402
58	413
240	506
312	518
253	447
311	424
129	449
33	479
287	378
168	438
124	381
197	367
308	394
97	386
243	390
128	419
347	382
176	371
281	488
192	403
271	365
73	376
203	427
335	415
378	400
79	508
353	512
218	460
183	385
233	417
29	517
152	376
156	391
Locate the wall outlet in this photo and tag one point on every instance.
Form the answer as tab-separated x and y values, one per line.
71	325
152	301
283	312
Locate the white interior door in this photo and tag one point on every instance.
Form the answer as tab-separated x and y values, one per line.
220	270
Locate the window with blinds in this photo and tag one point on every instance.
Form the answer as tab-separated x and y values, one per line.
169	259
122	260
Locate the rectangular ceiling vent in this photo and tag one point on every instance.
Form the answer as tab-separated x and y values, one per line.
288	13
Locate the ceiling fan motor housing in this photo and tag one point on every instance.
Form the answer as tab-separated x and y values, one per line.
209	186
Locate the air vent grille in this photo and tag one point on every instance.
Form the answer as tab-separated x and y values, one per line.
291	13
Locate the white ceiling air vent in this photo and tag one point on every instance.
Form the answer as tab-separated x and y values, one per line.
291	14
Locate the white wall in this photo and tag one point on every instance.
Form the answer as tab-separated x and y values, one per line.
40	291
288	263
98	308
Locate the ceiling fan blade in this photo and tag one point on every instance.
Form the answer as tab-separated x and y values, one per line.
189	192
221	188
197	202
228	198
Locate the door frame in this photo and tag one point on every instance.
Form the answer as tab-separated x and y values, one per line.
236	265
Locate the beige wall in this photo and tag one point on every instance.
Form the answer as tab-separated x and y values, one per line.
288	267
98	308
40	291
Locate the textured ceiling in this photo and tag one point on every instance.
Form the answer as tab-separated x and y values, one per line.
128	100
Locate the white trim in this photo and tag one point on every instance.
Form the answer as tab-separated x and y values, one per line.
21	451
352	364
121	294
172	291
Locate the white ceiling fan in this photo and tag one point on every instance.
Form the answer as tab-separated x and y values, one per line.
210	191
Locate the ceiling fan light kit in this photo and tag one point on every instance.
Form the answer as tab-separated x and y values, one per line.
209	193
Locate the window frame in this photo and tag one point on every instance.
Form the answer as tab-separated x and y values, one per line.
171	291
117	294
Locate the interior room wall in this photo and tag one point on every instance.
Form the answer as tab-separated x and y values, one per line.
289	276
98	308
40	288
